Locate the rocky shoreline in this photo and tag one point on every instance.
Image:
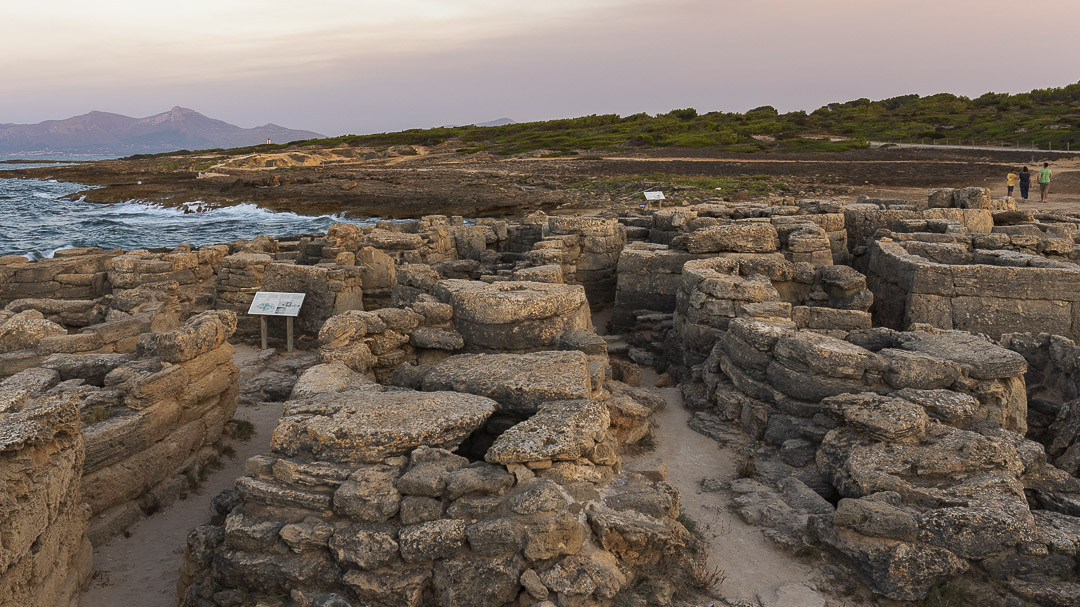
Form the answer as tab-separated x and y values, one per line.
408	182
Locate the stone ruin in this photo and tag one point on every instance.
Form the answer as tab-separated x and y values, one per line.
95	441
905	373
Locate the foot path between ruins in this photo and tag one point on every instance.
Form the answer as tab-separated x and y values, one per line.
753	566
141	569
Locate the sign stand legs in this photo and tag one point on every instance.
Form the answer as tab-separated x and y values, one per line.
289	330
262	327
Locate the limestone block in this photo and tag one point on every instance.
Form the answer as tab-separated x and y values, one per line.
370	426
519	383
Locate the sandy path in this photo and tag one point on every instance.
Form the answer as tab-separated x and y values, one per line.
141	570
753	565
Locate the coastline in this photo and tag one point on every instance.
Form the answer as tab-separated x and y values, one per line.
408	182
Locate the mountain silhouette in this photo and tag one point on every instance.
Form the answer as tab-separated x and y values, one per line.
107	133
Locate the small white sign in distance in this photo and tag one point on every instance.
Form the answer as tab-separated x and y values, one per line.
654	196
269	303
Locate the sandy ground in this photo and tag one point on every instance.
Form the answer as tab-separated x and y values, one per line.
141	570
752	564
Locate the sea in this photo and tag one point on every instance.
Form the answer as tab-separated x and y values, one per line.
37	219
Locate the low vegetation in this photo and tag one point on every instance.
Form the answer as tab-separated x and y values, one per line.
1043	118
680	186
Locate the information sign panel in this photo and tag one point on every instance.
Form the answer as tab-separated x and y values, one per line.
269	303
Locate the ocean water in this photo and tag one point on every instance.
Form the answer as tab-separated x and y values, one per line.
35	221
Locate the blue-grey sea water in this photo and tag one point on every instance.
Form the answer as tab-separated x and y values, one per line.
36	220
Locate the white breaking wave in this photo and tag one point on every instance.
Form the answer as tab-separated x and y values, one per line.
198	210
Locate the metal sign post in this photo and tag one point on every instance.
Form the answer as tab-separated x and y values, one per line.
269	303
657	196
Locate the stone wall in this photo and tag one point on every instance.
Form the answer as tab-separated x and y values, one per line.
713	292
429	240
918	440
786	372
362	500
330	289
147	419
648	281
45	557
587	250
70	274
31	330
991	292
184	273
378	342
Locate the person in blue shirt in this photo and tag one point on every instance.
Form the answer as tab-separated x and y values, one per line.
1025	183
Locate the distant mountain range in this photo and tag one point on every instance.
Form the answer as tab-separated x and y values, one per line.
496	122
106	133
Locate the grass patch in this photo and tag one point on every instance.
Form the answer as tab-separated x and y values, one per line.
227	451
213	463
97	414
688	522
747	468
194	482
949	595
242	429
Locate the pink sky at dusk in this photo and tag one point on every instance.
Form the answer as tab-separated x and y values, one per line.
340	66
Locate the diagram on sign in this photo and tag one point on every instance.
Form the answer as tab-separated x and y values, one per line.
268	303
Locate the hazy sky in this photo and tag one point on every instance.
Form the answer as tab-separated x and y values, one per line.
341	66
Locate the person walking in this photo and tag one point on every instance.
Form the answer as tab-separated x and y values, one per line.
1044	181
1010	181
1025	183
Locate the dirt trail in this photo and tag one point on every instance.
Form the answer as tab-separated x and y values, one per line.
752	564
141	570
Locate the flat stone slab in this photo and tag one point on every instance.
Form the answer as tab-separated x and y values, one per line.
330	378
982	358
507	302
519	382
365	426
560	430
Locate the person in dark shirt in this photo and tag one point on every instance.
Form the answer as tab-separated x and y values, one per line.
1025	183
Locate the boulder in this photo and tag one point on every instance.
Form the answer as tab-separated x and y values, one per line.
199	335
24	330
515	316
980	357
